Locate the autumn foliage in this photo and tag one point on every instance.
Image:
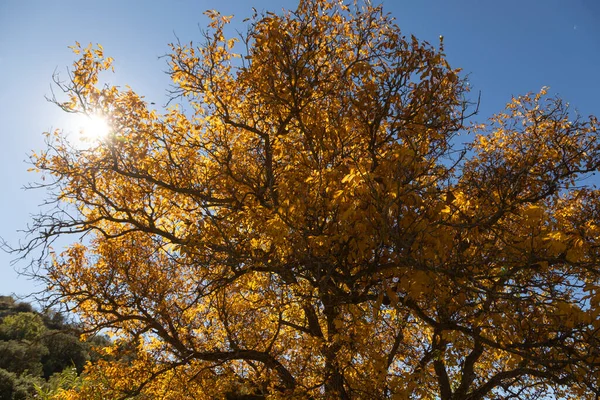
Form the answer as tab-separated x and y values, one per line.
308	225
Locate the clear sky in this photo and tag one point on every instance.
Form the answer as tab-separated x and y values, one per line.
507	47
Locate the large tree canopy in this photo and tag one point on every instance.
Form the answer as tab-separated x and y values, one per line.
311	227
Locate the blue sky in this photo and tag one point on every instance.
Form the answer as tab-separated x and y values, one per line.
507	47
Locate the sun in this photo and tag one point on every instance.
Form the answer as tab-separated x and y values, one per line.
92	128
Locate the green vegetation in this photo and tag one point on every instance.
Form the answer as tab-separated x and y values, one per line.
40	352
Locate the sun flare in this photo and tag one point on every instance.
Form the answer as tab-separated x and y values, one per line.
92	127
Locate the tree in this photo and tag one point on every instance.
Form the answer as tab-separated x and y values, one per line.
41	354
21	326
311	228
64	351
20	347
15	388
